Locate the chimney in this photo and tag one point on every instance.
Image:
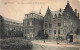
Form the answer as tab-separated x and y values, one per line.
40	11
60	9
78	14
75	11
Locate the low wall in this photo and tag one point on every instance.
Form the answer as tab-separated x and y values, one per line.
76	38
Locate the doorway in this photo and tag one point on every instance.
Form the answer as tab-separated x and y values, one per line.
71	38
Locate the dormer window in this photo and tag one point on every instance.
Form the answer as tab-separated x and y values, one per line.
59	15
55	16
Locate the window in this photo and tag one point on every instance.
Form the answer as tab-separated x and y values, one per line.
65	23
26	31
58	31
50	25
59	24
71	22
46	25
50	32
54	31
46	32
28	23
30	31
64	31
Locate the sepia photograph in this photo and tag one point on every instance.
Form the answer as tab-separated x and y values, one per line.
39	24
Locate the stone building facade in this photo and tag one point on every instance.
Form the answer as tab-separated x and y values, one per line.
56	24
10	27
62	22
32	24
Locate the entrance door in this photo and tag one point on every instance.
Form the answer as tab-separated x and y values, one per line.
71	38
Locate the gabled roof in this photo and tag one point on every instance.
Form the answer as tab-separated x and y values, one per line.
57	12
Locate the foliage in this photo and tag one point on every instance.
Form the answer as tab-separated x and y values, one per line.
15	43
41	35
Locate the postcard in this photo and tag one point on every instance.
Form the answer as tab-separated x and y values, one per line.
39	24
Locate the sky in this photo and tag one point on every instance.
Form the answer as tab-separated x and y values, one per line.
16	9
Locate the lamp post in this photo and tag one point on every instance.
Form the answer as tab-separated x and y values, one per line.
44	30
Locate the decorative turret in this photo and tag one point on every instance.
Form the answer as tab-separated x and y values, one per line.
40	11
75	11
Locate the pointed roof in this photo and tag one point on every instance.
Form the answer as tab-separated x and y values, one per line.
48	12
68	8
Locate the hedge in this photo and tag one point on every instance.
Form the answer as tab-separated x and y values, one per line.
16	44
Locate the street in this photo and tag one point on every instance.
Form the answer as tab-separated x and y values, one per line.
40	45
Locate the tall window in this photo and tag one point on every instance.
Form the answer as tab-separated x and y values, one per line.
26	31
65	23
30	23
54	31
64	31
58	31
46	31
50	32
59	24
46	25
30	31
71	22
50	25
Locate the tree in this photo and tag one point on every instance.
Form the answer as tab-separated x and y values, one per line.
41	35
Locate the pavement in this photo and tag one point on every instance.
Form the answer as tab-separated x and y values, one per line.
49	45
54	44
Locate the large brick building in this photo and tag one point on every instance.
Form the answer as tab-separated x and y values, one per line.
10	27
56	24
